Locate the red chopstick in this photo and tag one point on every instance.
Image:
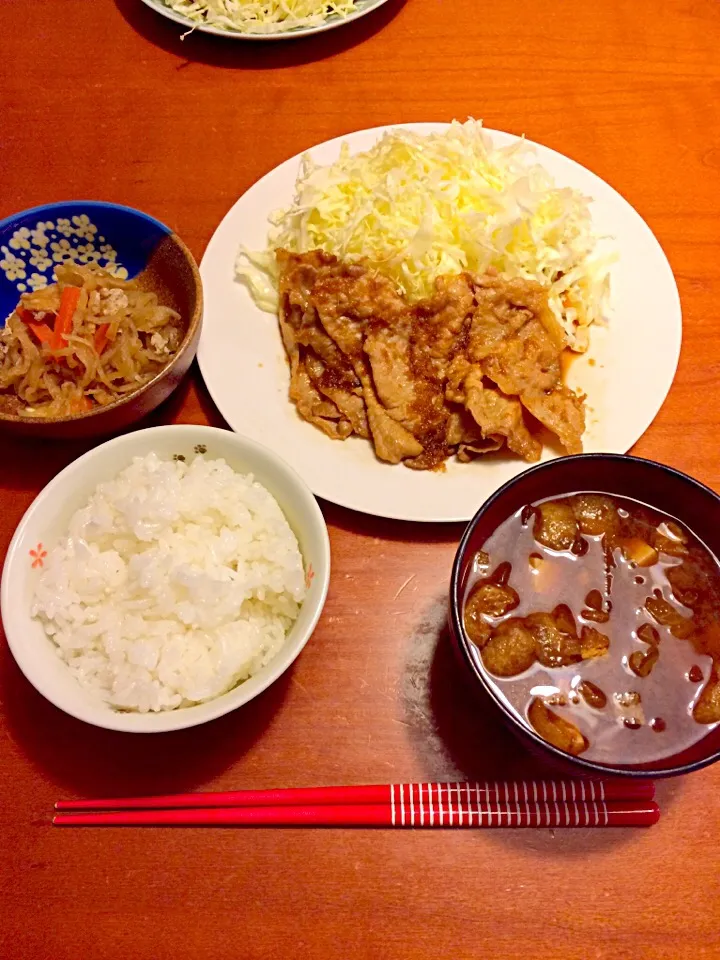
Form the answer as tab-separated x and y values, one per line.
506	791
450	813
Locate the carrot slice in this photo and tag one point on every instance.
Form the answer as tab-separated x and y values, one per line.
101	337
63	321
27	316
35	316
41	330
81	404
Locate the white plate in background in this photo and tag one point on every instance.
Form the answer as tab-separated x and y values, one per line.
363	7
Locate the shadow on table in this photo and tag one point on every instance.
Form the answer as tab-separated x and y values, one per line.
458	734
88	761
252	55
206	402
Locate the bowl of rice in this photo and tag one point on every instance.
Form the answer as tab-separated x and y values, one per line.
165	578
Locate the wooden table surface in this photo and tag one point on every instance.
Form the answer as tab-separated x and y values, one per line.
103	100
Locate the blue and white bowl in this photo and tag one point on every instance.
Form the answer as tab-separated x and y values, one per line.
123	241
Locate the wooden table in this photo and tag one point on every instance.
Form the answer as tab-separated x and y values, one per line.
101	99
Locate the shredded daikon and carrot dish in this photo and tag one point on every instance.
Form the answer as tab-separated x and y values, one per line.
87	340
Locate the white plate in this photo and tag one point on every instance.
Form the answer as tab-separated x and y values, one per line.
363	7
626	374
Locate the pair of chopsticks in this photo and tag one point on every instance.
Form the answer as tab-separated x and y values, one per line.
534	803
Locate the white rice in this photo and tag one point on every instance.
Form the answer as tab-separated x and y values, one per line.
176	582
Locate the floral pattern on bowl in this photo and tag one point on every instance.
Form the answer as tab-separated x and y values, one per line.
33	243
30	256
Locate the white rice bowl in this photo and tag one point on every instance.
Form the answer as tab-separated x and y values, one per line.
176	582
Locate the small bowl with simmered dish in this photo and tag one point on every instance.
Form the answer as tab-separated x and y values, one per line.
585	598
100	316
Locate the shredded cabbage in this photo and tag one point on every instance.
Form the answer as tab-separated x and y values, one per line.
268	16
418	207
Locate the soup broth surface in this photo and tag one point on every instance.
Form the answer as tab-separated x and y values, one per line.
594	619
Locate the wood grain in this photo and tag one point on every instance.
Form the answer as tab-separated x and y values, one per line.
103	100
